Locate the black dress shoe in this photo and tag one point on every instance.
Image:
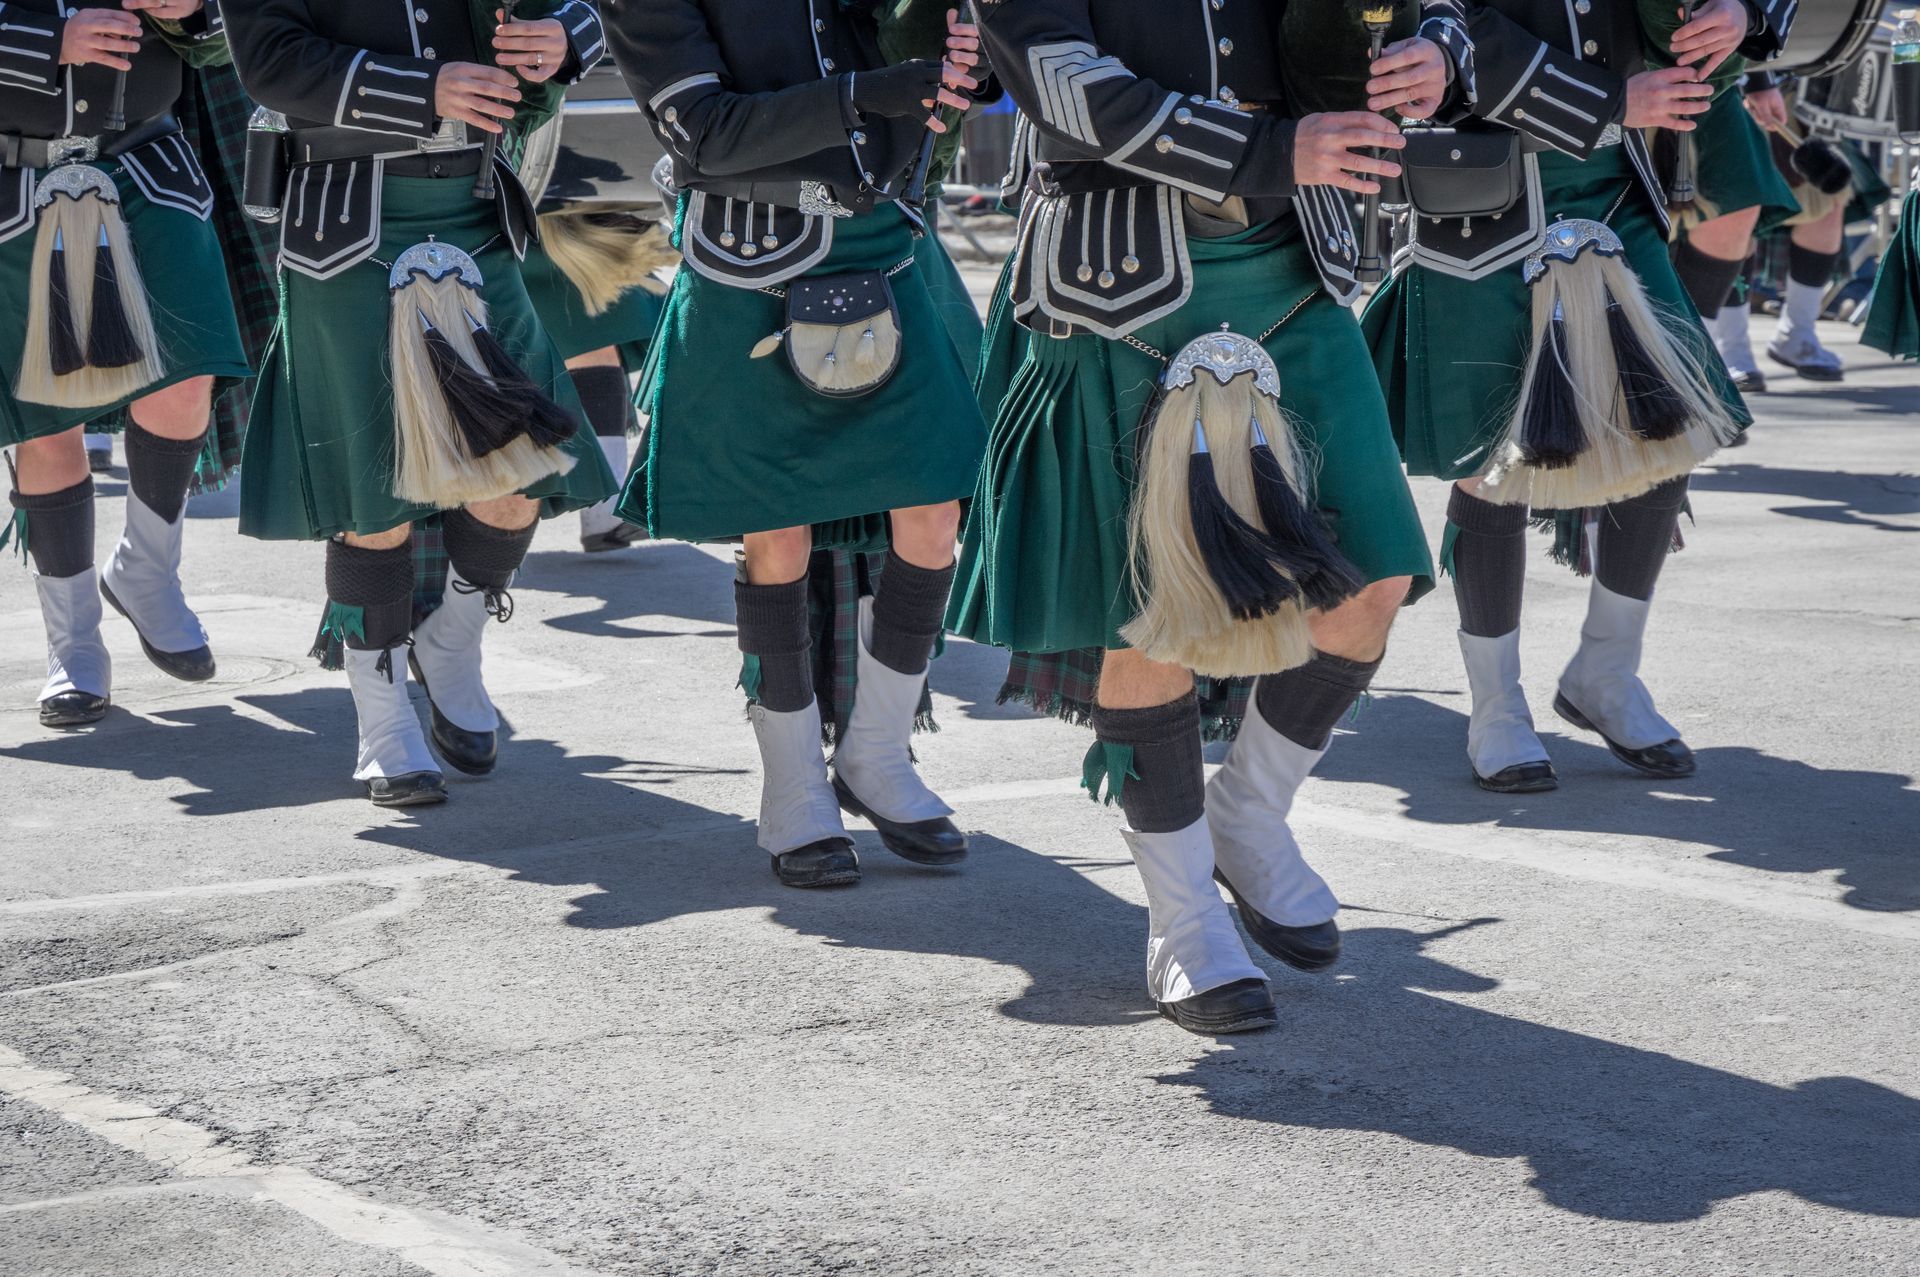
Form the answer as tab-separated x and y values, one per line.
622	537
1240	1007
473	753
830	862
100	460
1752	382
1669	760
189	667
1521	778
413	789
924	842
1313	948
73	709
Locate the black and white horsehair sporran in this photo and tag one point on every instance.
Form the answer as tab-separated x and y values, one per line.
90	338
469	423
1614	401
1228	553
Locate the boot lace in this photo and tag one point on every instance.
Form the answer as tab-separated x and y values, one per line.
495	599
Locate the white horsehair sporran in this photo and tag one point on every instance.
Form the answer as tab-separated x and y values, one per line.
1614	401
1228	552
469	424
90	339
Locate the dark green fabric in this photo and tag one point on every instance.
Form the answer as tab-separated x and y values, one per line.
1893	319
1002	347
958	315
186	281
1451	385
320	445
1044	564
1324	53
627	324
1735	168
1659	19
736	445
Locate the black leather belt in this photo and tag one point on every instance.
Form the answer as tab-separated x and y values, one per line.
325	144
45	152
444	164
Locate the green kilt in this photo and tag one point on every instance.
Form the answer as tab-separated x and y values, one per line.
1735	168
958	315
186	280
1003	347
320	445
1451	352
628	324
1893	318
737	445
1044	564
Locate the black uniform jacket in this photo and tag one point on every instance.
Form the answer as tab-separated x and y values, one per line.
367	66
1557	71
1136	108
753	101
41	99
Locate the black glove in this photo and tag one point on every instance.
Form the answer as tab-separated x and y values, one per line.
896	92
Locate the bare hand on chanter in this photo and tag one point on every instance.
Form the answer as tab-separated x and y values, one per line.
1327	150
473	94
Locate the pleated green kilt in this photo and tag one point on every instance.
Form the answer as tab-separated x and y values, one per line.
1003	347
958	315
628	324
186	280
320	445
1451	352
737	445
1735	168
1893	318
1044	563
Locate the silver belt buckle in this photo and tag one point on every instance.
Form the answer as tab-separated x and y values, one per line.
72	150
451	137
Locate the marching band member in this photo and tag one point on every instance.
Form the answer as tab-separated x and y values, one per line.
1191	469
1585	385
410	375
119	301
802	376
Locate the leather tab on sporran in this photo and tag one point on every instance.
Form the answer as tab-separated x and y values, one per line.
469	423
90	338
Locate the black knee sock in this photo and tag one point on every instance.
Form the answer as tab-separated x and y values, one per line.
159	470
1166	789
773	628
1706	279
380	584
482	554
1489	563
1636	536
60	529
1303	704
1810	266
605	395
907	611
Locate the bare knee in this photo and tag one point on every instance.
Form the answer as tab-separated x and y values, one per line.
180	411
924	535
1357	629
779	556
1129	680
509	513
391	539
605	357
51	463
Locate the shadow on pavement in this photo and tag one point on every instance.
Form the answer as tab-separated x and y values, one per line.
1606	1130
1855	500
652	579
1753	809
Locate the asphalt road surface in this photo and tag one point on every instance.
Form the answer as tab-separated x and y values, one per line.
569	1023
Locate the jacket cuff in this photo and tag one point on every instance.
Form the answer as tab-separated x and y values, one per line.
1560	100
1463	86
586	38
1189	143
388	94
30	49
1767	26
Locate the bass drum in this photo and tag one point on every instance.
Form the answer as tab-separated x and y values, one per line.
598	150
1856	101
1828	36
